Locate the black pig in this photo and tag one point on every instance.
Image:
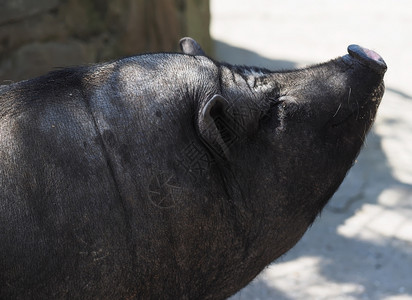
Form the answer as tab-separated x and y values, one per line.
171	176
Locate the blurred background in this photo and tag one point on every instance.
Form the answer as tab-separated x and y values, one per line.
361	245
37	36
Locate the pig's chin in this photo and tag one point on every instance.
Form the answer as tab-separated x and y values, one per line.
340	118
353	118
359	111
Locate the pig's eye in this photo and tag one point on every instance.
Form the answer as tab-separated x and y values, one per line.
270	115
287	99
288	104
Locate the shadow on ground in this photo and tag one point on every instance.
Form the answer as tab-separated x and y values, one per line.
373	264
238	56
372	268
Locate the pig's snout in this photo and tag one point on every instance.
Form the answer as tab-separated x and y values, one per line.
368	57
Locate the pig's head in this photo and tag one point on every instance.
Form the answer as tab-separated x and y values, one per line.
284	141
225	167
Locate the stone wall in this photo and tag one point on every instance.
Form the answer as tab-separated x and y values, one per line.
38	36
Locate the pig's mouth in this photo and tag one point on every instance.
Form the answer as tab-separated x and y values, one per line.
337	121
340	121
357	110
361	109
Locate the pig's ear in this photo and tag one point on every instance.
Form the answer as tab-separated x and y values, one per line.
214	125
191	47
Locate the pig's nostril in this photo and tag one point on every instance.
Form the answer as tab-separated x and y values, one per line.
368	57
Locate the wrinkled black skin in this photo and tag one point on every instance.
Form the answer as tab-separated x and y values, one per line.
81	148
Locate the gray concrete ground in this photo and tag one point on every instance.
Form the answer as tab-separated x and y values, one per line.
361	246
